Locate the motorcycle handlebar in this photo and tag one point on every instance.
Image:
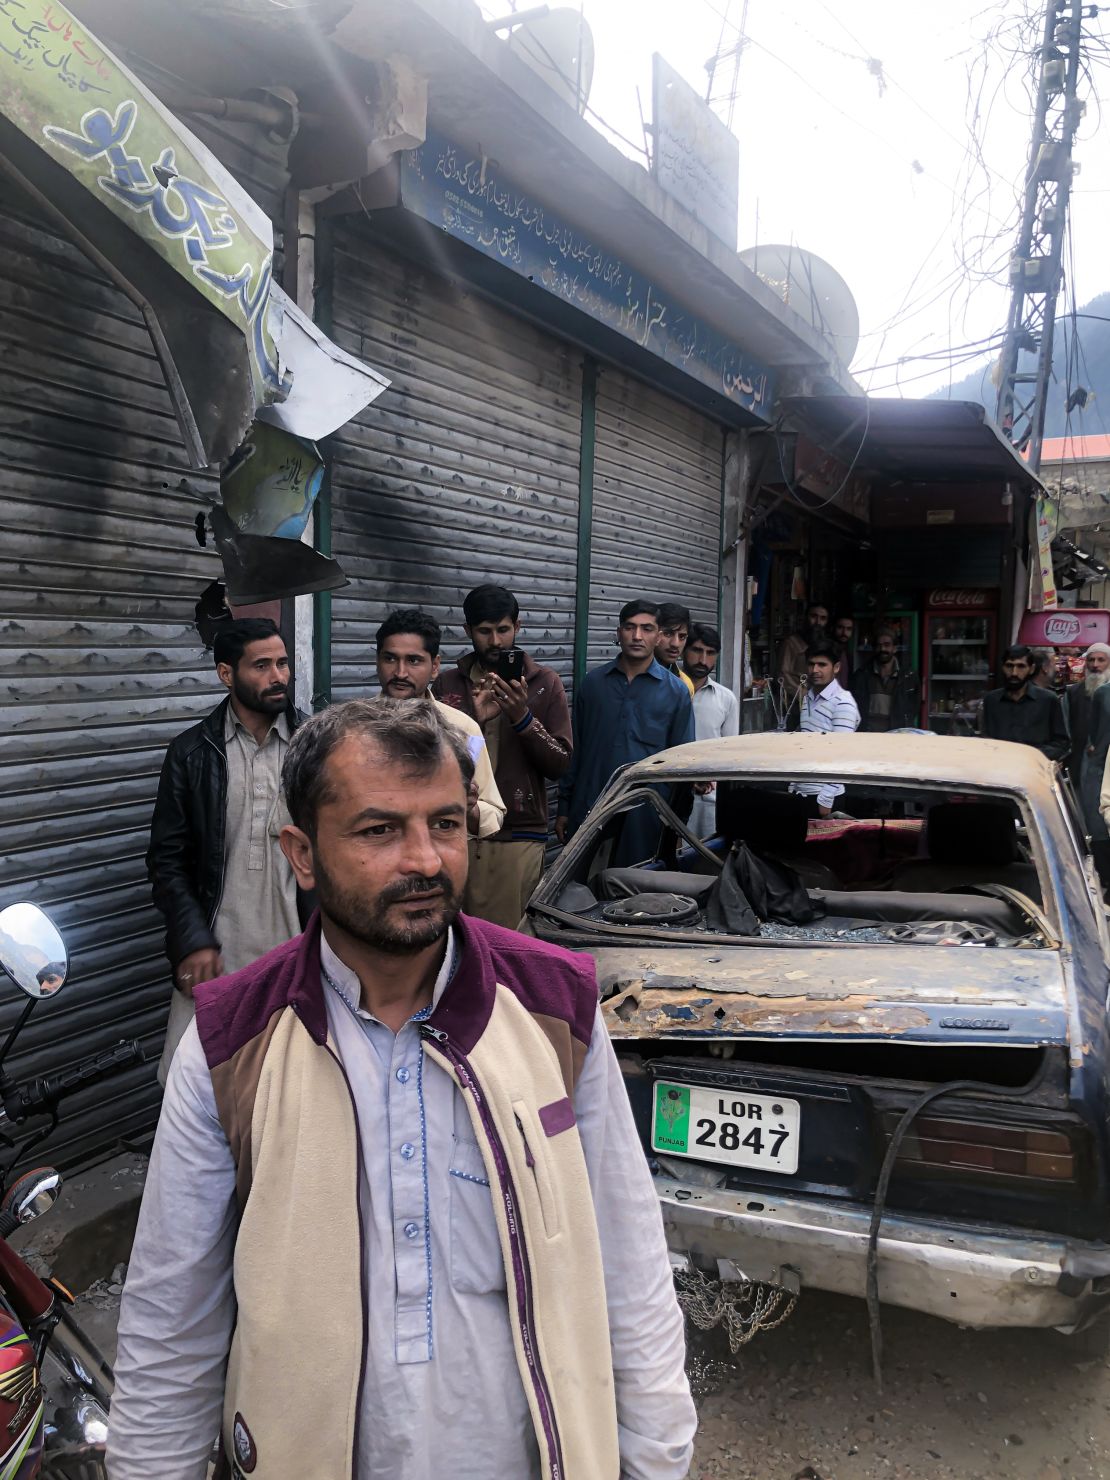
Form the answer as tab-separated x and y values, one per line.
42	1094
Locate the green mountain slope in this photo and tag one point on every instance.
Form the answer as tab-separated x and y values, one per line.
1090	368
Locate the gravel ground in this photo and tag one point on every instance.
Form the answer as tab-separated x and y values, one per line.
800	1403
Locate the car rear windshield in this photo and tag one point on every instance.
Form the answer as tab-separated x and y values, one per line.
775	861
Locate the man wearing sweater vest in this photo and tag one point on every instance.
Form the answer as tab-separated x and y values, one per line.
398	1223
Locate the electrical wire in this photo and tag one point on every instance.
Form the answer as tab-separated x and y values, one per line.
882	1189
828	102
573	84
793	492
900	380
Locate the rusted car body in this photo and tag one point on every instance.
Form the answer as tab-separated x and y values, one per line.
942	1022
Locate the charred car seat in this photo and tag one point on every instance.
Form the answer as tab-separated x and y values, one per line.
968	843
773	823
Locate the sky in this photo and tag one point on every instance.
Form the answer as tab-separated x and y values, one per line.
857	142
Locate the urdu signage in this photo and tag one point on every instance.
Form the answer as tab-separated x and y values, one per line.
466	197
73	98
695	157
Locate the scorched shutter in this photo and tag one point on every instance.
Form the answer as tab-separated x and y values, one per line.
657	506
99	574
465	471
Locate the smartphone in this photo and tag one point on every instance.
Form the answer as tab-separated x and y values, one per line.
510	664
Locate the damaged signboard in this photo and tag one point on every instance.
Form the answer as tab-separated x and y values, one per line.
154	208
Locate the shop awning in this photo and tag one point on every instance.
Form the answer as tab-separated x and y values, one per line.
171	227
912	441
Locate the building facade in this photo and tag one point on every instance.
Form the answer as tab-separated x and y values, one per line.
577	372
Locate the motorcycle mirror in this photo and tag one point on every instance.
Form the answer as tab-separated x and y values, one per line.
32	951
33	1194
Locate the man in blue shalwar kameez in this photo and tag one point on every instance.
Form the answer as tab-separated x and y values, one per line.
624	711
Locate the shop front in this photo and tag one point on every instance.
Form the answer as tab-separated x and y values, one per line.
811	544
544	431
943	555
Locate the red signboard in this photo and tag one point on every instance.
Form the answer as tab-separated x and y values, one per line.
944	597
1065	628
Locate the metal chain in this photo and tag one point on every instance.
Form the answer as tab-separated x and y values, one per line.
742	1307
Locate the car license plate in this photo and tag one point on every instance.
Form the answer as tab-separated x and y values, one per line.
740	1129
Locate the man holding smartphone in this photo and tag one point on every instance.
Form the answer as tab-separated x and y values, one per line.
525	718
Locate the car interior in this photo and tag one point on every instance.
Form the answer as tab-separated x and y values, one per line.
891	863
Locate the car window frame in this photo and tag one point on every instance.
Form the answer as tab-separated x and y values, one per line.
1076	829
634	792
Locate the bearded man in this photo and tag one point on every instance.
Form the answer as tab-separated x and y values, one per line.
1088	765
793	668
215	864
1077	704
397	1220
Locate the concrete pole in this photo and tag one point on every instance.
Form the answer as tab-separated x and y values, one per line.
738	494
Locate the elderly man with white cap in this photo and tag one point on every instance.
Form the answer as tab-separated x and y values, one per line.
1087	706
1077	703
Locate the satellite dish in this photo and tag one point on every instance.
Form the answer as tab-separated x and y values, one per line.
813	289
560	47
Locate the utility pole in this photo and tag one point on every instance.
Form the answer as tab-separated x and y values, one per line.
1036	268
736	52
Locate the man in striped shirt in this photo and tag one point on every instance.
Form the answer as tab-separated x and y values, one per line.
825	707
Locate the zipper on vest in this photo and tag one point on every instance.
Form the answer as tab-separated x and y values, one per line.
362	1278
529	1159
521	1267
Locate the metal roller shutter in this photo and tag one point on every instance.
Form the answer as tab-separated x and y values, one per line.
465	471
99	573
101	665
657	506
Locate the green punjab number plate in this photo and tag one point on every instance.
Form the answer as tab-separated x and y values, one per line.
740	1129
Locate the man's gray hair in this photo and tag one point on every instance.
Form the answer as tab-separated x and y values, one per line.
408	731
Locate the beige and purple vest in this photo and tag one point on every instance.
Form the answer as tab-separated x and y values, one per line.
512	1028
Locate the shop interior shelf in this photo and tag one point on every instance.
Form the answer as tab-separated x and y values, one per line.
960	677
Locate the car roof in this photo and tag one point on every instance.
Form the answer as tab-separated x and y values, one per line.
901	756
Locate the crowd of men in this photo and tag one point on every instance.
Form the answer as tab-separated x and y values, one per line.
883	693
220	878
1072	728
392	1123
384	1108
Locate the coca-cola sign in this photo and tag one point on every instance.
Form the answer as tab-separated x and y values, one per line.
944	596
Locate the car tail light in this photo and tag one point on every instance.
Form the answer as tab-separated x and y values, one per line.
978	1147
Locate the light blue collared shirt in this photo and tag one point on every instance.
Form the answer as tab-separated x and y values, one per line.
442	1392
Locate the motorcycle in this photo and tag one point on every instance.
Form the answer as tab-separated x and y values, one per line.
55	1386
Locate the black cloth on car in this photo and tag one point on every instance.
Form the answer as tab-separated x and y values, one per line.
752	889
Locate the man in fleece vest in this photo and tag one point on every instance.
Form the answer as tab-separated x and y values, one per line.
398	1222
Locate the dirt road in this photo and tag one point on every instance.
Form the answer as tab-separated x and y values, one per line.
799	1403
957	1405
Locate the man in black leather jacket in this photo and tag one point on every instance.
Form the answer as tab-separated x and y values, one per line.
218	874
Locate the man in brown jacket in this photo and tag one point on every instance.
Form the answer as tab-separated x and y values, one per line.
526	723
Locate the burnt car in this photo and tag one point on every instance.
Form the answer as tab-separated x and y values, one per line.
863	1026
